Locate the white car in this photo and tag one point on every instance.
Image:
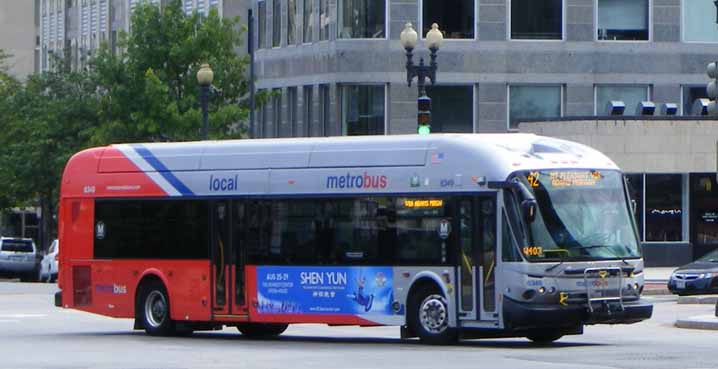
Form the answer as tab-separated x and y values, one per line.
49	265
17	258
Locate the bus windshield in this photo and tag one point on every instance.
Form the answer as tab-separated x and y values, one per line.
582	215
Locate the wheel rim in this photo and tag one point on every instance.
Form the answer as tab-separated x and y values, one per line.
433	314
155	309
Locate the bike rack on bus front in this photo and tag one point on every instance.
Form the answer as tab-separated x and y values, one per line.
603	274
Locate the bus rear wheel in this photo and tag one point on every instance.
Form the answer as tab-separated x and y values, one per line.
544	337
262	330
153	309
429	316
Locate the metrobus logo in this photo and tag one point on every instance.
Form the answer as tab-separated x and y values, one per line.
361	181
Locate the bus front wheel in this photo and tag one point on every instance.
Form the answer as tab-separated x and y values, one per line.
153	307
262	330
429	316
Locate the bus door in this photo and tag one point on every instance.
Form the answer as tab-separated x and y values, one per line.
221	256
477	258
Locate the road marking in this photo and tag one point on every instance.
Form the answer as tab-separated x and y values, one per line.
21	316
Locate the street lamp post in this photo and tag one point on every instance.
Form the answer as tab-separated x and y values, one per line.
205	76
421	72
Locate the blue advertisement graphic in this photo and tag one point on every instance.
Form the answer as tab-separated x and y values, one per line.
325	290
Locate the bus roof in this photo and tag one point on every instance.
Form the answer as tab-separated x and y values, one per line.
188	168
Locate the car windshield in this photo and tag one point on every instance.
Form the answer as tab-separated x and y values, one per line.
711	257
582	215
17	245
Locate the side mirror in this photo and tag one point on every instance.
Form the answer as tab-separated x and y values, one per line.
528	210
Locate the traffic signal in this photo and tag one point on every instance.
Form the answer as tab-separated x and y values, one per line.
424	116
712	88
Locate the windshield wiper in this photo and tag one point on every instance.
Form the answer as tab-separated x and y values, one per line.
610	249
563	254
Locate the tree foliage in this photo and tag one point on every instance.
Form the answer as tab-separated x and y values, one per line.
150	91
147	91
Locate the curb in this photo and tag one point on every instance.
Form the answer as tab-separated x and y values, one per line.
700	300
656	292
700	322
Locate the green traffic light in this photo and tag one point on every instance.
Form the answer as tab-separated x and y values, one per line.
424	130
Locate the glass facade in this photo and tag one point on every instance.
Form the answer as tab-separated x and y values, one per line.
630	95
451	109
324	20
530	102
276	22
664	207
291	21
454	17
362	110
699	21
623	20
261	24
308	19
536	19
362	18
308	128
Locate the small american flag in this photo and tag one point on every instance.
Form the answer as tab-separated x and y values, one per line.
437	157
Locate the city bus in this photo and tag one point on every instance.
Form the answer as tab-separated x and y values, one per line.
446	236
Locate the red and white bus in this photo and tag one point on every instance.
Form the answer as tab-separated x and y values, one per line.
446	236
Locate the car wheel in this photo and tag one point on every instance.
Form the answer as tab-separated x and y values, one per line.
429	316
262	330
544	337
153	308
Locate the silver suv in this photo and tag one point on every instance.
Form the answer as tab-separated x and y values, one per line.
17	257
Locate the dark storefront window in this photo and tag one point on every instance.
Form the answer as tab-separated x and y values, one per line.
704	212
362	110
536	19
664	208
625	20
635	191
451	109
454	17
362	18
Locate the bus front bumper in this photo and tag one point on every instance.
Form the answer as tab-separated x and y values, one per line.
519	315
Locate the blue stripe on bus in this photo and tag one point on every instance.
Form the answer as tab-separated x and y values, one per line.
162	169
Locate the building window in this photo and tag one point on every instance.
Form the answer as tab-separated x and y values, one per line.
292	111
324	20
664	207
261	23
690	95
308	19
454	17
699	21
623	20
362	18
277	111
533	102
635	191
631	96
452	109
362	110
536	19
325	106
308	127
291	21
704	212
276	22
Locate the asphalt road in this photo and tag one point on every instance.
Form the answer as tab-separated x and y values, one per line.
35	334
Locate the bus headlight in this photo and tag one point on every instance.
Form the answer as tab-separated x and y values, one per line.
542	290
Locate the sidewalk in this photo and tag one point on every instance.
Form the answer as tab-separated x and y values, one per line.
656	280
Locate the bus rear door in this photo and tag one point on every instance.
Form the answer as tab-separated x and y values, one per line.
228	259
477	222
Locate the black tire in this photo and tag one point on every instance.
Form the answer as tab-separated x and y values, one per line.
153	309
429	316
262	330
544	337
